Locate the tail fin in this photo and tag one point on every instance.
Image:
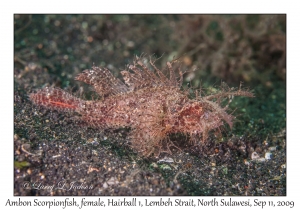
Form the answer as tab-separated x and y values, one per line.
55	98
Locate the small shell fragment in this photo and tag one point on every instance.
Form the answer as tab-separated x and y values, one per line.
268	155
166	160
254	156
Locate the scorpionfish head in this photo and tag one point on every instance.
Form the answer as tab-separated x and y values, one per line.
194	118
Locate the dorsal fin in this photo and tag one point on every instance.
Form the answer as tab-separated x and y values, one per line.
104	82
139	75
